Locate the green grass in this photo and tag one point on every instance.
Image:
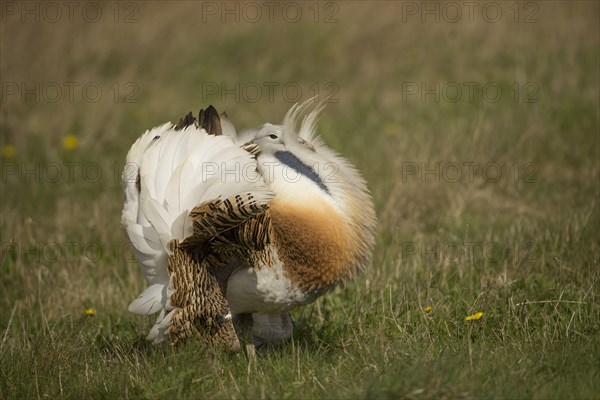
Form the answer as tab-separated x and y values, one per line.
524	249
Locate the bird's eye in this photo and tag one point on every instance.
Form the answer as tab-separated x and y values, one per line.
273	136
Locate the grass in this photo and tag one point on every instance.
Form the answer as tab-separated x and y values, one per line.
523	248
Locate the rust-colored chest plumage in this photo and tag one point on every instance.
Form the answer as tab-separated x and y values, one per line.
313	243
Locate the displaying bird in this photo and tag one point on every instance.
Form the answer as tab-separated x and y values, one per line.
226	225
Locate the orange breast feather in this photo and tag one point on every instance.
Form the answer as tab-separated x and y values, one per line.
314	243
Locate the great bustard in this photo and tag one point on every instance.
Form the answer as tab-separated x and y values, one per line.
225	224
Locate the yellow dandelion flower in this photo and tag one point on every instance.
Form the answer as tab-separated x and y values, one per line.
70	142
90	312
428	309
474	317
8	151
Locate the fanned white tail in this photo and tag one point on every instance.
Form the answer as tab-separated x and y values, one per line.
168	173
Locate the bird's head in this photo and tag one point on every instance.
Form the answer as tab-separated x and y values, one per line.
292	160
301	169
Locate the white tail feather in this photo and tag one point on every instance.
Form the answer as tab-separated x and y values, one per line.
150	301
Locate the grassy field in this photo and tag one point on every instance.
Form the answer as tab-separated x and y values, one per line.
478	134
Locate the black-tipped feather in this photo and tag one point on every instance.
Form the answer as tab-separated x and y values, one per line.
186	121
209	120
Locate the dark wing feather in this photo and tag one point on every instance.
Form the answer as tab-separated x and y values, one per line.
185	121
209	120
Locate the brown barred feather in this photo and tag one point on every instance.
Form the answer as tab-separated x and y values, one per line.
224	232
212	218
246	244
200	300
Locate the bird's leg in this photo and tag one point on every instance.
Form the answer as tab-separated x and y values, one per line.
269	330
243	325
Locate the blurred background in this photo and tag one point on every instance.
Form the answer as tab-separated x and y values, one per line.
475	125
